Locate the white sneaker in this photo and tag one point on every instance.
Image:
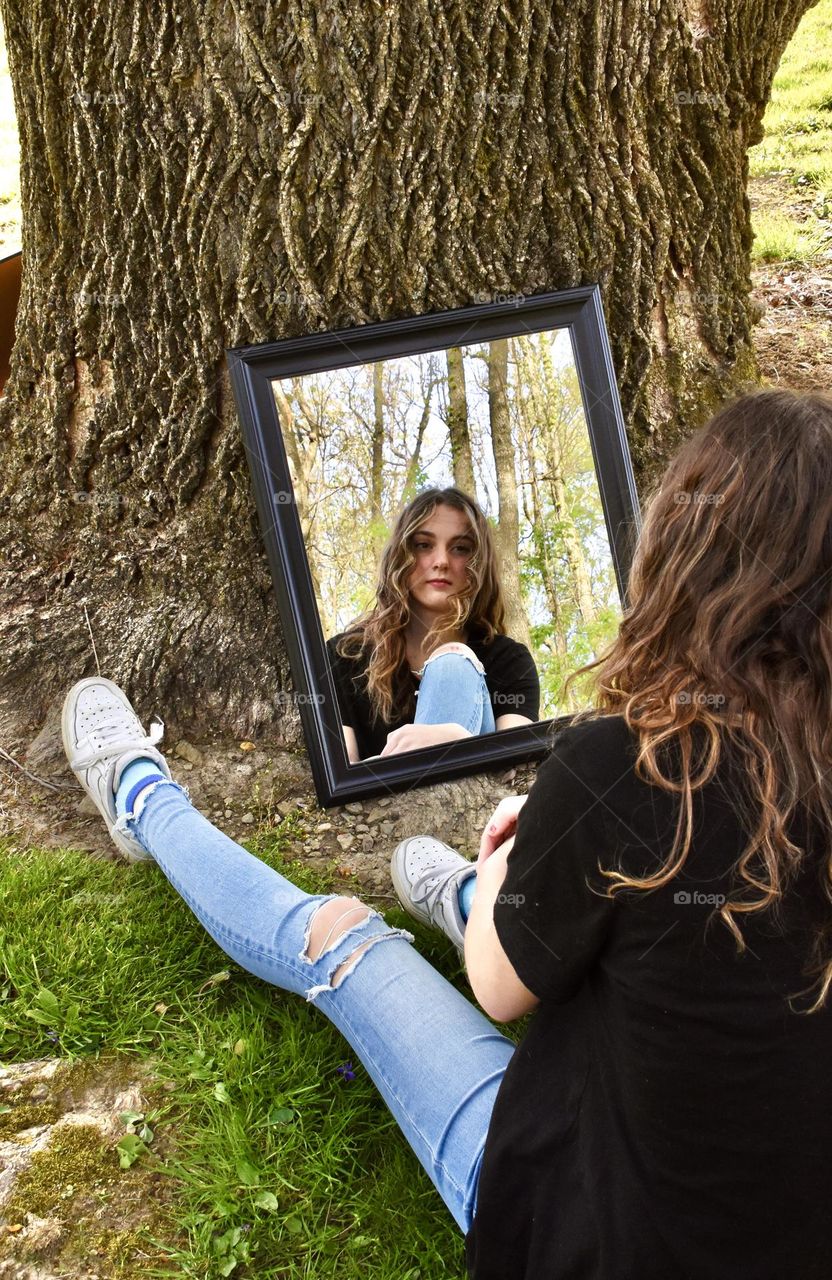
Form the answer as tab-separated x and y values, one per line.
427	875
102	735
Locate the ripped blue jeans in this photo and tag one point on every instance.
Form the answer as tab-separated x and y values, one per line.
453	689
435	1058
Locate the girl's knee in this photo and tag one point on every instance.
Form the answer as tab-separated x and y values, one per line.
331	920
456	646
334	919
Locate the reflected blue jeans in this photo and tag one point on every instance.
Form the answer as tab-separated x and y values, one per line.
433	1055
453	689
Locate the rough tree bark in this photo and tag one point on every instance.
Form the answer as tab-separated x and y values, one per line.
197	175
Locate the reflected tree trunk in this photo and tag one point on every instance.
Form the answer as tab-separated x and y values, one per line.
507	532
536	516
302	456
462	465
560	498
434	379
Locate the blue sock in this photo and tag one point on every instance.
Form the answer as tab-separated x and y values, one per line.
138	775
466	896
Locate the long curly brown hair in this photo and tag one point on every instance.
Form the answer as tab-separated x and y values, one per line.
728	628
381	629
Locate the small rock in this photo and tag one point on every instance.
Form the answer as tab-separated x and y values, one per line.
228	813
41	1233
286	806
247	818
362	826
187	751
386	828
324	826
368	844
345	840
246	770
354	807
187	767
86	806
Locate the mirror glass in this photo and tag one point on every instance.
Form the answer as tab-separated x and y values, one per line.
503	421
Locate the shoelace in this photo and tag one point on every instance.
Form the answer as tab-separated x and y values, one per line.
114	744
424	879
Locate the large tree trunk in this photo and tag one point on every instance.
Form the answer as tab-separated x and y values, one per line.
199	175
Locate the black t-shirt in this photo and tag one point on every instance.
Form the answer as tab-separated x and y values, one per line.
510	673
666	1116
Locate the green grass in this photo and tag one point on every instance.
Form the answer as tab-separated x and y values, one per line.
797	146
778	238
278	1162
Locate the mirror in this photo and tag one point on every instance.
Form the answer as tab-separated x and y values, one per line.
465	473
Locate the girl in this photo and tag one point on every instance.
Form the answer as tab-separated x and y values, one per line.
660	900
438	597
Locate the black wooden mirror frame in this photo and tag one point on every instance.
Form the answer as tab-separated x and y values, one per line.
253	369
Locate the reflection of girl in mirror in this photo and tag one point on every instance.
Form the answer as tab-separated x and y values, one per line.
430	661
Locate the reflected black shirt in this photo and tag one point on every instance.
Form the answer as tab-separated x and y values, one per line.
666	1116
510	673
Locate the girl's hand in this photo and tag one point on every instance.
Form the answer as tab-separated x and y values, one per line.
500	825
410	737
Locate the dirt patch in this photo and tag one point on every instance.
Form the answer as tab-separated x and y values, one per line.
246	789
793	338
67	1207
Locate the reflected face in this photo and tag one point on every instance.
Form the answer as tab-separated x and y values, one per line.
443	545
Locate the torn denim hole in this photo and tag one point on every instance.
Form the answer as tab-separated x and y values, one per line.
350	949
325	898
463	650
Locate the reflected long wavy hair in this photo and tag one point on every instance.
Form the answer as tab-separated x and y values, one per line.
478	607
729	627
